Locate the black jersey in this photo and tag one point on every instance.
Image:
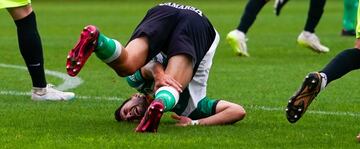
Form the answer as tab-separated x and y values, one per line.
176	29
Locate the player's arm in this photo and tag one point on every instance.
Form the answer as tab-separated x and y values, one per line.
156	71
226	113
153	70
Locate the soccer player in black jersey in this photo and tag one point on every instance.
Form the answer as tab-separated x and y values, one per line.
194	106
182	33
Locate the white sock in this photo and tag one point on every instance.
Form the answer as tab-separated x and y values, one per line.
323	81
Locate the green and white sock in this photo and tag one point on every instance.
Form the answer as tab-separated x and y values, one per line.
136	80
169	96
107	49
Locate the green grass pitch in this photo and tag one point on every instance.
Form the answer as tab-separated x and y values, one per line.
261	83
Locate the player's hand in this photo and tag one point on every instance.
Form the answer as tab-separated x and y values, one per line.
181	120
166	80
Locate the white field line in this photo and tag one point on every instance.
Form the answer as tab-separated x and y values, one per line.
73	82
256	107
16	93
69	82
338	113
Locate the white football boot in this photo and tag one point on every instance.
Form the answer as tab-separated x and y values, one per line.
310	40
51	94
237	41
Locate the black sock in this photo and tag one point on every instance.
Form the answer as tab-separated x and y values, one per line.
252	9
31	48
343	63
314	14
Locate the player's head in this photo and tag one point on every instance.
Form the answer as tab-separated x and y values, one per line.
132	109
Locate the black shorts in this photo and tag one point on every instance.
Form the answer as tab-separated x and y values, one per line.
176	31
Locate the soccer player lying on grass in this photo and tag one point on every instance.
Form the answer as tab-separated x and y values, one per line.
346	61
182	33
192	108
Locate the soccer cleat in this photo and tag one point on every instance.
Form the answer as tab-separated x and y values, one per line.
82	50
310	40
237	41
151	119
51	94
298	103
348	32
278	5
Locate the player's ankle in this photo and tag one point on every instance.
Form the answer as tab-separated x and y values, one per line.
169	96
136	80
107	49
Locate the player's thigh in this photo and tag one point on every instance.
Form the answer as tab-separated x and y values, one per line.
132	58
18	10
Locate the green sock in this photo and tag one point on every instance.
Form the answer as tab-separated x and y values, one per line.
168	96
136	80
107	49
350	12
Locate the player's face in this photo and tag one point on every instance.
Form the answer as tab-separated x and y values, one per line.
134	109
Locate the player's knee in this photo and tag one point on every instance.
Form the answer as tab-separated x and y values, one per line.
120	73
125	72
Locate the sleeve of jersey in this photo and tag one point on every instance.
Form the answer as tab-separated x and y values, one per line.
205	108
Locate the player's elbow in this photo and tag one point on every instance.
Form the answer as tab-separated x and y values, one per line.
238	113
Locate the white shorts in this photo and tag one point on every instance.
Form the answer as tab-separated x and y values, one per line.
198	84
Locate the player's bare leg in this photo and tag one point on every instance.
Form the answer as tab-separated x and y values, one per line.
125	61
132	58
180	68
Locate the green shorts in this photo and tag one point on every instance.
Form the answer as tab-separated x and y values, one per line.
13	3
206	107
